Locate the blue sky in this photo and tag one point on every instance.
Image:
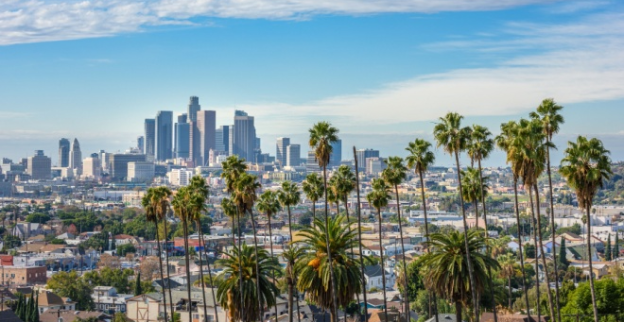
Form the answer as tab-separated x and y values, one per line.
381	71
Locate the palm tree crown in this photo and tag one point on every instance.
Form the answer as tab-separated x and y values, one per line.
420	156
548	114
450	135
322	135
313	187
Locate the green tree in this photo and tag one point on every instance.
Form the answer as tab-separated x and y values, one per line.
608	253
68	284
137	285
124	249
453	138
38	217
616	247
393	175
227	292
529	251
507	271
548	114
562	258
448	274
314	267
322	136
585	166
313	188
378	198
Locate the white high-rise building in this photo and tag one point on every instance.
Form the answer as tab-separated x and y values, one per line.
91	168
75	157
179	177
140	171
293	155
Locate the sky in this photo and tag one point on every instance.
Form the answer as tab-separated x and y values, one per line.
381	71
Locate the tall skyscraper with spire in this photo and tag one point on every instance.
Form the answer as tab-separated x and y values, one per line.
164	135
75	157
64	147
244	136
193	108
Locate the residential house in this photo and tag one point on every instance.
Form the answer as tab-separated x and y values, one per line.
55	315
24	230
106	299
50	301
374	277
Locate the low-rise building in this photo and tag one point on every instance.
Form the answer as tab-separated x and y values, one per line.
50	301
13	275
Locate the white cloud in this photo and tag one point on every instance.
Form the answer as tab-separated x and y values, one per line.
575	62
27	21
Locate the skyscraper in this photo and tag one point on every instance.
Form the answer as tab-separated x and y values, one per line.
244	136
182	137
311	163
336	155
92	167
164	135
293	155
364	154
75	157
39	167
280	151
222	138
203	136
193	108
141	143
150	137
63	153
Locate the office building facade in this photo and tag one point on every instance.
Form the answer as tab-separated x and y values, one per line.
39	166
182	137
164	135
364	154
140	171
64	147
150	137
75	157
193	108
293	155
244	136
336	155
280	151
222	138
118	164
203	137
141	143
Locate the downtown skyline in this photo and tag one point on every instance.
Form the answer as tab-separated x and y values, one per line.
380	75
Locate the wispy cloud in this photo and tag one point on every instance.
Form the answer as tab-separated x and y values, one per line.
27	21
13	115
573	62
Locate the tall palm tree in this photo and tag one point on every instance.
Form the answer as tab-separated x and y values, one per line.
292	254
233	167
359	224
322	135
449	275
453	139
533	150
227	292
378	198
507	142
314	266
313	188
152	202
548	114
480	147
288	196
586	165
508	270
198	207
394	175
473	189
181	206
244	198
268	204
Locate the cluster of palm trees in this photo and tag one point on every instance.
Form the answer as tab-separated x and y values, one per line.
326	262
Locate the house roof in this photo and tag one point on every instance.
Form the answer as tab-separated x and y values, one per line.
380	316
9	316
50	299
373	270
53	315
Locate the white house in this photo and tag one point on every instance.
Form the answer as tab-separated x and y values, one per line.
374	277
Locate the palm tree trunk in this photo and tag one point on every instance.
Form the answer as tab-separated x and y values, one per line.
334	308
293	277
509	289
468	258
291	292
486	237
591	270
535	233
167	262
524	281
543	256
346	201
188	269
383	270
271	246
162	279
201	273
359	217
258	292
424	202
240	267
405	297
552	231
458	311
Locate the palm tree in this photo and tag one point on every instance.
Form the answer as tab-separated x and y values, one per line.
507	142
313	188
181	206
421	158
268	204
393	175
244	198
453	139
533	151
292	254
548	114
480	147
152	202
449	274
473	190
198	208
359	224
251	280
508	270
322	135
289	195
378	198
233	167
586	165
315	266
